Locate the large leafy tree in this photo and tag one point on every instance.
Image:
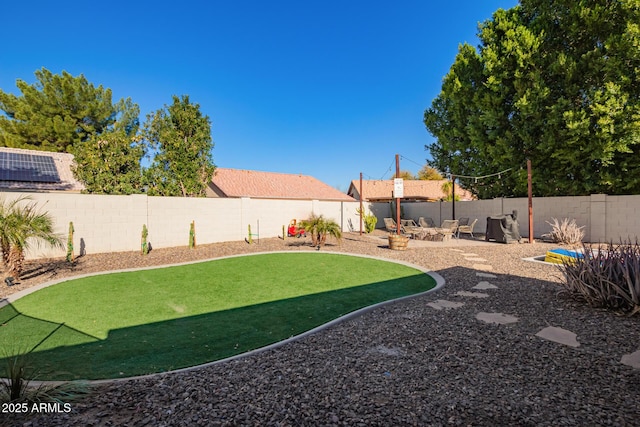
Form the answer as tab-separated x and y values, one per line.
110	162
55	113
180	135
553	82
428	173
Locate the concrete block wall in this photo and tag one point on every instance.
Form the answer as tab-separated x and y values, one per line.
547	208
271	215
114	223
168	220
622	217
101	223
340	212
605	218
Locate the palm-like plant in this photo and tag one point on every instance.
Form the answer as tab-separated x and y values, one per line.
319	228
20	225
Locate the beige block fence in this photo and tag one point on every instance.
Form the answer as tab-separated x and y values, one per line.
114	223
105	223
605	218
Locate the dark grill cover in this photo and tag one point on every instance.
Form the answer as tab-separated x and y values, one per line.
503	228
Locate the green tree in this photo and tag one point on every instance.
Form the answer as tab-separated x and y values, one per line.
427	173
406	175
22	224
110	163
181	137
55	113
554	82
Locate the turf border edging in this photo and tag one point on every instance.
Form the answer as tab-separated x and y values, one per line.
435	276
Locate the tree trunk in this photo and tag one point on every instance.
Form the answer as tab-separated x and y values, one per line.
16	262
4	247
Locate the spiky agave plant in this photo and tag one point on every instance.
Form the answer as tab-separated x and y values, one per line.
607	276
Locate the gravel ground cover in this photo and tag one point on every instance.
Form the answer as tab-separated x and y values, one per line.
406	363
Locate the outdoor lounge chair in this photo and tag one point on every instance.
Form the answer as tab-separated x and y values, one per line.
467	228
390	225
426	222
409	226
448	229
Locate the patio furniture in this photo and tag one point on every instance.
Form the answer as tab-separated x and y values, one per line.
426	222
428	233
410	227
443	233
448	229
503	228
390	225
467	228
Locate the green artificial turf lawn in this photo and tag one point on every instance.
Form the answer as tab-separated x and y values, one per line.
134	323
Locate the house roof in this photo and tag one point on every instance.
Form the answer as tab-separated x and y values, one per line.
272	185
413	190
24	175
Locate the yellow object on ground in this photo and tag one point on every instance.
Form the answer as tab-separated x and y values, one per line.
559	256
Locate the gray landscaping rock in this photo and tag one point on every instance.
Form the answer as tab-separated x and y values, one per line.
398	365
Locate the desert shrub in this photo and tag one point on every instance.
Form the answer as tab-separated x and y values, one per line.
369	219
15	384
608	277
565	231
318	227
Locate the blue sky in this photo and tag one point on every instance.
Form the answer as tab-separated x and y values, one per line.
328	89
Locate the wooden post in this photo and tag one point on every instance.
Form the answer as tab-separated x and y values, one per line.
530	194
398	222
361	211
453	197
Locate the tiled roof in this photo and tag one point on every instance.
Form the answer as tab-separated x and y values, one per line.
413	189
62	161
272	185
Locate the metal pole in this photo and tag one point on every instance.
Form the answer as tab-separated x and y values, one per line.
453	196
530	191
398	222
361	211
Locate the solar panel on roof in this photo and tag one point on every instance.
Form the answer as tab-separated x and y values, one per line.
27	167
